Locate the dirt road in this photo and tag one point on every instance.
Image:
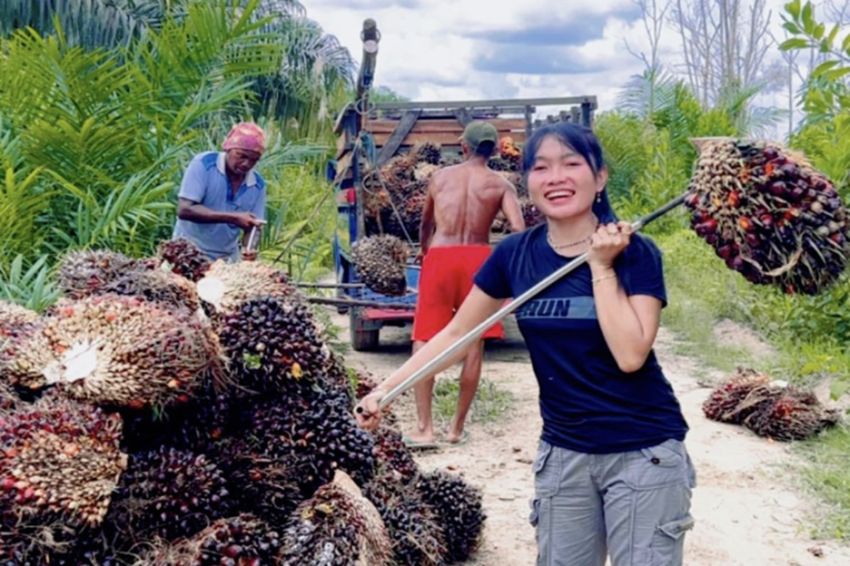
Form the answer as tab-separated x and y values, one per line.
749	506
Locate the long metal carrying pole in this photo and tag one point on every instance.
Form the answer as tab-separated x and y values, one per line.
432	366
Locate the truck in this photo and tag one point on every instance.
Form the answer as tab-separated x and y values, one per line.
370	134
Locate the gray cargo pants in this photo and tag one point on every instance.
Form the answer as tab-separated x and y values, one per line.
631	505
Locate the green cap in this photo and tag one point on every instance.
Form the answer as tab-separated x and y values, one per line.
478	132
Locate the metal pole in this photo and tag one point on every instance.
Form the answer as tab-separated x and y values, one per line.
433	365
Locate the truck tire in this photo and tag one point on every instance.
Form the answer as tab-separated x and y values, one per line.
363	338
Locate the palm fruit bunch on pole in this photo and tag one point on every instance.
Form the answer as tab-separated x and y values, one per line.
415	532
58	458
226	285
768	214
184	258
381	263
723	402
117	351
459	510
243	540
337	526
272	342
166	493
85	273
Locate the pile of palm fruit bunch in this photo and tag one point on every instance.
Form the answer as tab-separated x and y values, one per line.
508	163
381	263
769	408
769	214
394	195
137	428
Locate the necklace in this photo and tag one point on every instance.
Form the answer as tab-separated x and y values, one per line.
570	244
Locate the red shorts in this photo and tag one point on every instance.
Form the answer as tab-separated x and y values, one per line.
444	282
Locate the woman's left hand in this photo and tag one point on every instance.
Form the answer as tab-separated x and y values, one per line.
607	243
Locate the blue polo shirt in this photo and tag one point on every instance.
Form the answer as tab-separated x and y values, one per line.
205	182
587	403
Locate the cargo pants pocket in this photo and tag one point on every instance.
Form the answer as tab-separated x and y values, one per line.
668	542
541	487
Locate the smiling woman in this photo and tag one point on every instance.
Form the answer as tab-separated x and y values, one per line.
612	475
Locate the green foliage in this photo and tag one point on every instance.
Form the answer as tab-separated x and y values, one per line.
491	402
827	145
826	93
32	287
829	477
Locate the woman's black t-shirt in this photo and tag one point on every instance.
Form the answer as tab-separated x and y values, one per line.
588	404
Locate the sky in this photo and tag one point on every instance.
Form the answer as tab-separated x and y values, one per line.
472	49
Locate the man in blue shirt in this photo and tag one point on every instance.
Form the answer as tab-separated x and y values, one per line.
221	195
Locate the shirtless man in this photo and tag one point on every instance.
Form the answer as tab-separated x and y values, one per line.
461	204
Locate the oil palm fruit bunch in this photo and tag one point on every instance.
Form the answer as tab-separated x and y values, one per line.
243	540
380	263
427	152
196	423
336	527
392	453
272	341
8	399
167	493
117	351
268	481
156	285
723	402
16	323
227	285
787	413
458	506
769	215
84	273
415	532
59	457
184	258
328	430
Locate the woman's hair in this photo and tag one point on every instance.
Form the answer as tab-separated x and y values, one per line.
583	141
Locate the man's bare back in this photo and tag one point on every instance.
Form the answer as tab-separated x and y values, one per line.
462	202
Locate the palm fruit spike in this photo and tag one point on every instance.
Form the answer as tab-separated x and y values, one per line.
380	262
155	285
51	541
167	493
270	342
769	214
787	413
413	526
337	526
458	506
84	273
183	258
118	351
243	540
58	456
226	285
721	405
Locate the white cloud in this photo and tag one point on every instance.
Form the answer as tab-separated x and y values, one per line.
468	49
